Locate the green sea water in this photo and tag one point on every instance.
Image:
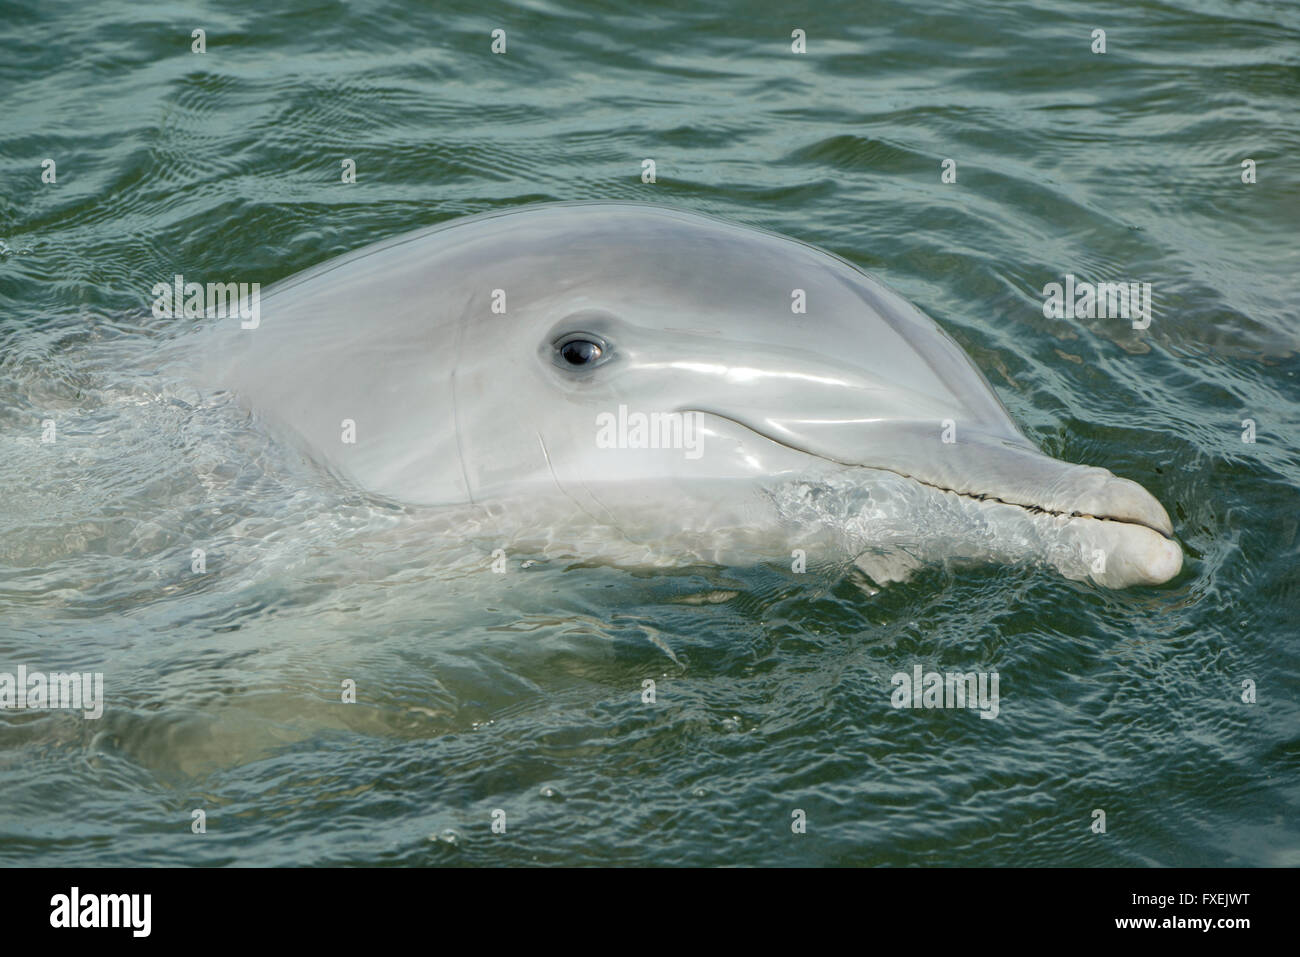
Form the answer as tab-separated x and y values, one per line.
1171	709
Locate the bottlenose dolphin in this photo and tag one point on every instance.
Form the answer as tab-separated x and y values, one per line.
646	384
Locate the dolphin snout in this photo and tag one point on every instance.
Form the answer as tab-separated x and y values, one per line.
1101	494
1153	560
1120	531
1120	554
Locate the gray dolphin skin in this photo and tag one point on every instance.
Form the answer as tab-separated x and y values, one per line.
643	384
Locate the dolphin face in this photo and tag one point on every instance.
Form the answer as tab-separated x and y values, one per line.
645	366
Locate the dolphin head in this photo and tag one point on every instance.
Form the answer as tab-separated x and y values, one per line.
623	359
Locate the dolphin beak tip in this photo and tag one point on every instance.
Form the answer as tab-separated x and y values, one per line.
1144	557
1162	557
1126	500
1164	561
1153	556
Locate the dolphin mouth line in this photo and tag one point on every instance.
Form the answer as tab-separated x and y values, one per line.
976	496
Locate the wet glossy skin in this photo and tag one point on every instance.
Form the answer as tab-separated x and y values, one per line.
679	313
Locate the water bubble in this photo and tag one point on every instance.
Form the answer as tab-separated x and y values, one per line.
448	835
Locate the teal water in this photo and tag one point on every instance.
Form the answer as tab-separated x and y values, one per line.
772	694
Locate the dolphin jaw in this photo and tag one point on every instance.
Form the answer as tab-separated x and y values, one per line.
1096	509
1157	523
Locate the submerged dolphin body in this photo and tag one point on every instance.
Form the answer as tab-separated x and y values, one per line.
526	364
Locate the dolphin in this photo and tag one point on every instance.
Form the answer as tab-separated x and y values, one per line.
646	384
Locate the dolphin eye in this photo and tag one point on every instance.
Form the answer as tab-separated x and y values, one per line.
580	349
